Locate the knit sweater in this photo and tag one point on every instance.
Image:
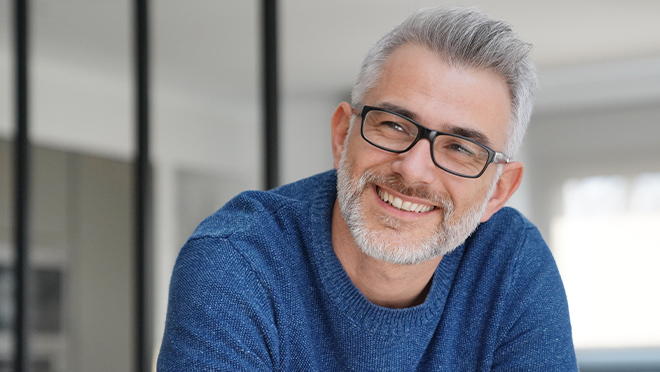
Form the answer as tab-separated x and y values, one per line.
258	287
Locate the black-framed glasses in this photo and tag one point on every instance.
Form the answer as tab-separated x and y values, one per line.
452	153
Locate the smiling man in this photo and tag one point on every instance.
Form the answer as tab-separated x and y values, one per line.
403	258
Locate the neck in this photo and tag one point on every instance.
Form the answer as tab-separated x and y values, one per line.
383	283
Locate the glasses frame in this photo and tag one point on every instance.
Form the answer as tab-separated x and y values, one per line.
431	135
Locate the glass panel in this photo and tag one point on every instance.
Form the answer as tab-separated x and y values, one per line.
206	120
81	131
320	58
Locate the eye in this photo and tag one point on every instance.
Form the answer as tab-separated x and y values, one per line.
461	149
393	126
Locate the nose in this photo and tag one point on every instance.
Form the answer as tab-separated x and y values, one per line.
416	165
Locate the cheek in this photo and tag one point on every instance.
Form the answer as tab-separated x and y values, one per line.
362	156
466	193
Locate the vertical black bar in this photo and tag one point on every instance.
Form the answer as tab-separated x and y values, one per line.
21	187
142	184
270	93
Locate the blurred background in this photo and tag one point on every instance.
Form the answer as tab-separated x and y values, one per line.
592	154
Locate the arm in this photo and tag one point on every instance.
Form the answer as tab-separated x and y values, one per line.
220	317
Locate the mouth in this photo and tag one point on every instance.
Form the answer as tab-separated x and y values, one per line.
400	204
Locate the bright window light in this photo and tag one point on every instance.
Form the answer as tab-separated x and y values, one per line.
607	246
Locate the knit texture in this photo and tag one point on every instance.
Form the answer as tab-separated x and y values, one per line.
258	287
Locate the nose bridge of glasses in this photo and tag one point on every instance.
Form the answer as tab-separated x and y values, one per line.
429	135
423	133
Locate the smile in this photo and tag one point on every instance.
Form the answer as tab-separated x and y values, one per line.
397	203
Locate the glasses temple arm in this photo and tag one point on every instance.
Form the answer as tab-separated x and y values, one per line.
500	158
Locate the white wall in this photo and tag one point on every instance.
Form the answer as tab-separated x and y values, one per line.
591	120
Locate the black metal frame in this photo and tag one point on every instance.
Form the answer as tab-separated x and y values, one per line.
142	186
21	188
270	94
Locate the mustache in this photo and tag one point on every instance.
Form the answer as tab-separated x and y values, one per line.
396	183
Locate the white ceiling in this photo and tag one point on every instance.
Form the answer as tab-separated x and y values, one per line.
564	32
322	42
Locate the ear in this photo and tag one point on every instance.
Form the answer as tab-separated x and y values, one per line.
340	124
508	184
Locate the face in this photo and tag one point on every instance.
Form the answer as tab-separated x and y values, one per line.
401	208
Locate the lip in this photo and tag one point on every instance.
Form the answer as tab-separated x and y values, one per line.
404	198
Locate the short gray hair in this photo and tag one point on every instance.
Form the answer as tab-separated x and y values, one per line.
462	37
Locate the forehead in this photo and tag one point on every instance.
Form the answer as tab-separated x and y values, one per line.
444	97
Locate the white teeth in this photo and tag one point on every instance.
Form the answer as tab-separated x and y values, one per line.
400	204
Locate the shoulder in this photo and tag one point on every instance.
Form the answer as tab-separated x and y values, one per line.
219	303
509	269
511	250
258	212
507	236
237	279
507	260
509	224
263	232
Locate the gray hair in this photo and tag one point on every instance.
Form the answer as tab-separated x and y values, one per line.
462	37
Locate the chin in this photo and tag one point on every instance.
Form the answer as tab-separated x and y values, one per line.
398	248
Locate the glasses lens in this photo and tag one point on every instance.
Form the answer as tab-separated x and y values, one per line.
388	130
459	155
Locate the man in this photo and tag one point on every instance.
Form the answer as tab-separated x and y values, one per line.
402	260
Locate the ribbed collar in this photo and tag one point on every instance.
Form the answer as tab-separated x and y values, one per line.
343	294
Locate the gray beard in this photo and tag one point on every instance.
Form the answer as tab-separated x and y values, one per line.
387	245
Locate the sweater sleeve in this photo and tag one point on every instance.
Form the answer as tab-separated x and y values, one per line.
536	335
220	315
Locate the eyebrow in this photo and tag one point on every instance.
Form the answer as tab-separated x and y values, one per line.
399	110
470	133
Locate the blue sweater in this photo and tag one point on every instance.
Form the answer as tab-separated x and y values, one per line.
258	287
